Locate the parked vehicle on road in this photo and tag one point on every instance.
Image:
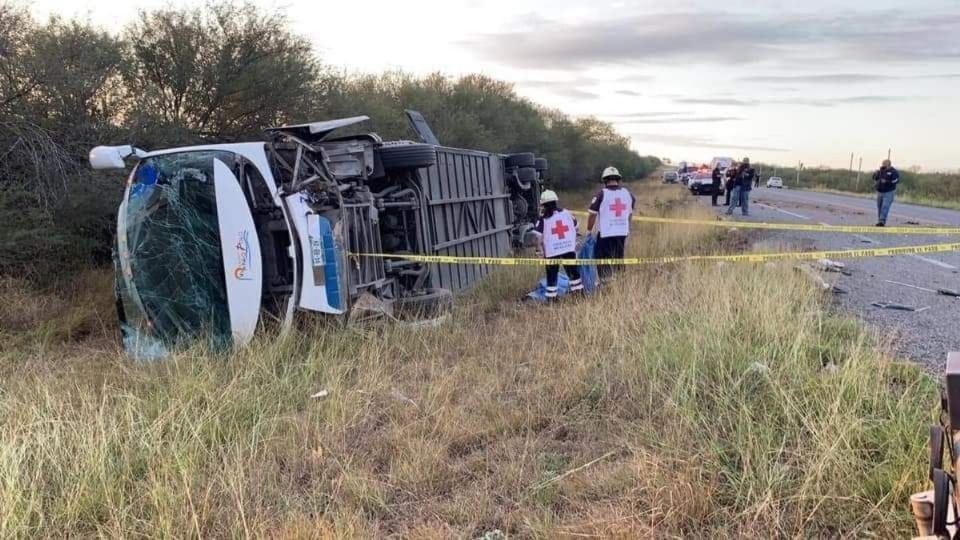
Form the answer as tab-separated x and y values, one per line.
216	241
723	162
775	182
701	183
670	177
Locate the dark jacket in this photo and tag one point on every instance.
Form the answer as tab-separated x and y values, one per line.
886	179
745	177
731	178
716	177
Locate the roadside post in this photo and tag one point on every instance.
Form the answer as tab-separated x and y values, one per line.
859	169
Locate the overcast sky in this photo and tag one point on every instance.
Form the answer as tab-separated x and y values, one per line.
778	81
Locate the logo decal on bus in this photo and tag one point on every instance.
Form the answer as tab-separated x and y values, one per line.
241	271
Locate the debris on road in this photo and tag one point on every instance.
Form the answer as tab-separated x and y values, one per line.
943	292
828	265
909	285
819	281
894	306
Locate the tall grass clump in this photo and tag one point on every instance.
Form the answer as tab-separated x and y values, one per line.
690	400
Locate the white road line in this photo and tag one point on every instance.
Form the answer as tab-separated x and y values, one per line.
868	209
935	262
782	210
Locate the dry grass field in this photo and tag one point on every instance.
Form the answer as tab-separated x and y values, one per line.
696	401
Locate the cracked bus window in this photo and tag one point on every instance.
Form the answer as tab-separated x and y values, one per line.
171	284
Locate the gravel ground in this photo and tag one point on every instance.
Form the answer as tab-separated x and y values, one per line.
926	335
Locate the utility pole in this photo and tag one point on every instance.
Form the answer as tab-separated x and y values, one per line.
859	168
799	166
851	161
888	153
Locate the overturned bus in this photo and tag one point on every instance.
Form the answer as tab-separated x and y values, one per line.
214	242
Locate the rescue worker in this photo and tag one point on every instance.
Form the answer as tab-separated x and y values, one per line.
558	232
716	180
885	180
730	181
611	210
745	177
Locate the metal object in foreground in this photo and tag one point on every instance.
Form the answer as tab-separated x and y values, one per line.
935	511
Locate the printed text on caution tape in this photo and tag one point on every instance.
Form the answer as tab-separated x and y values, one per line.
633	261
857	229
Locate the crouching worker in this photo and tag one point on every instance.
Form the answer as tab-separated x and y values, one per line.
558	229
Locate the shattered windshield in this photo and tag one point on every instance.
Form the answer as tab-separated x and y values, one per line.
171	284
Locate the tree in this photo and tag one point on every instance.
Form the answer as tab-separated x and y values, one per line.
220	73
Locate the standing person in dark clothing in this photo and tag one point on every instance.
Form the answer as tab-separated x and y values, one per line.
611	210
730	180
886	180
745	178
558	232
717	177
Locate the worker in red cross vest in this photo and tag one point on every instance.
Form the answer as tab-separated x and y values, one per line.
558	230
610	211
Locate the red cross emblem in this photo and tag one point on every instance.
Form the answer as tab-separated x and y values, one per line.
560	230
618	207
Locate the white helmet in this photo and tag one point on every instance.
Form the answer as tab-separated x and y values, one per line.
548	196
610	172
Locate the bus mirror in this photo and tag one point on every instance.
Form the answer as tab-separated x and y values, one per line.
111	157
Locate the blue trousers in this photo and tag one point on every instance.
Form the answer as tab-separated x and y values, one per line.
740	197
884	202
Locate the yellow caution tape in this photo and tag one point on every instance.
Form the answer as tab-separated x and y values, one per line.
859	229
632	261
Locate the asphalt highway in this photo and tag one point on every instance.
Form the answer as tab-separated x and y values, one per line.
925	335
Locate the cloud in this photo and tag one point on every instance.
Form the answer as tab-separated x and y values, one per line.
715	101
684	120
838	78
780	38
575	93
568	88
633	93
645	114
695	141
810	102
875	99
842	78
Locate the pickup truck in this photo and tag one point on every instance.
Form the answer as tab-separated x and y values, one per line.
216	242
